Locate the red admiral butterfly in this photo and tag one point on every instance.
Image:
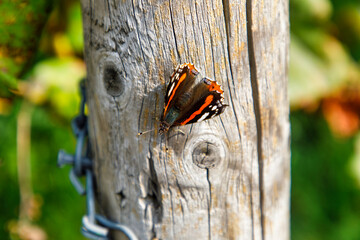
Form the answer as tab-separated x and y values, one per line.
187	102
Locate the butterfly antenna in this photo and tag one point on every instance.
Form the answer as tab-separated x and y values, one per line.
141	133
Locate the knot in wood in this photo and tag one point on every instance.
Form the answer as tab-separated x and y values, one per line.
116	79
113	80
206	155
206	150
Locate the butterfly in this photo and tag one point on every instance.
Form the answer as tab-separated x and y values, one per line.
188	101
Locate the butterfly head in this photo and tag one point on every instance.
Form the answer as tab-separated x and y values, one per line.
164	127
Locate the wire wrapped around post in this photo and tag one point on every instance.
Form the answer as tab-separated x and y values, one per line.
94	226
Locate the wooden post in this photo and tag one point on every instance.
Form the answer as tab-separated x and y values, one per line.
225	178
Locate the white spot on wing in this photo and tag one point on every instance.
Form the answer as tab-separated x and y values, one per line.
171	89
203	117
213	108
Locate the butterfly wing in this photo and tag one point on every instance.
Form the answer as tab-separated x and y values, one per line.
181	81
207	103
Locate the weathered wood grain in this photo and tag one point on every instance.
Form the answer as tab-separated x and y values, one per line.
225	178
268	63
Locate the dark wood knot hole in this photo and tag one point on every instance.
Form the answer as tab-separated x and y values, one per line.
206	155
113	80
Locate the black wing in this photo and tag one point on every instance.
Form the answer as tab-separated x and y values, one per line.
206	107
181	80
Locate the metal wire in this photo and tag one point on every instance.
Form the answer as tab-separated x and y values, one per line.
94	226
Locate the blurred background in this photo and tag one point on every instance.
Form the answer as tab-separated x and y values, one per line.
41	62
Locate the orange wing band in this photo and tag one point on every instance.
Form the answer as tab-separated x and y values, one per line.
208	100
173	92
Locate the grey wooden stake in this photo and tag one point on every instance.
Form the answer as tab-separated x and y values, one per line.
225	178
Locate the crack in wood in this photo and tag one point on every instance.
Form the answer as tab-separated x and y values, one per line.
109	11
152	199
211	47
121	198
180	189
154	191
256	98
226	11
209	203
140	113
185	36
183	196
148	66
137	31
200	27
170	192
91	25
173	28
194	32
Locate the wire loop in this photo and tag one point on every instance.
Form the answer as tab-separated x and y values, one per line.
94	226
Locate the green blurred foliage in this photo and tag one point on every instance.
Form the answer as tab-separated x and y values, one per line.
324	64
62	207
42	74
325	194
21	23
324	51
